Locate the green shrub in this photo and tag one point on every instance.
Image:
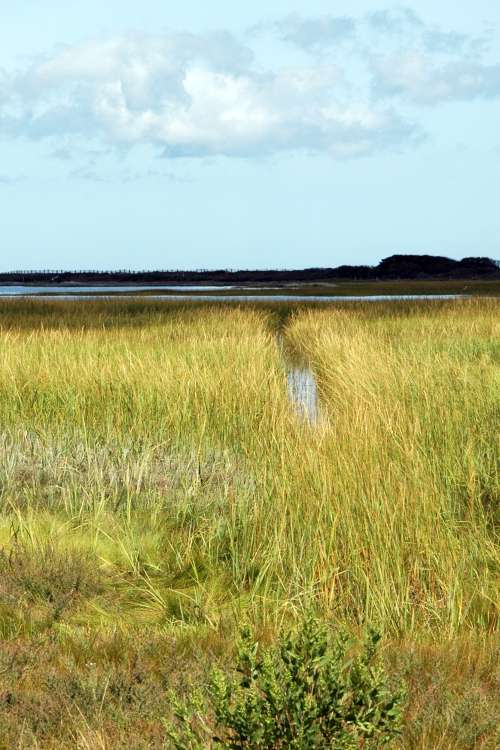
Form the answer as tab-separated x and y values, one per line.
306	693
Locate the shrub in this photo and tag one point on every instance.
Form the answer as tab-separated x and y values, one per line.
306	693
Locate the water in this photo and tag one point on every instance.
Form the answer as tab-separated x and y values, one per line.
98	292
301	382
69	290
303	393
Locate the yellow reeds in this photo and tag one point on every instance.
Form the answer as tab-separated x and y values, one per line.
153	447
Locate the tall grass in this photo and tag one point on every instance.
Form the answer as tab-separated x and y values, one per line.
411	451
155	479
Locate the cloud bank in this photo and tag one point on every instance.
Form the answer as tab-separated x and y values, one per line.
352	87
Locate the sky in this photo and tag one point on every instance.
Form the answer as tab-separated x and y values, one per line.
277	134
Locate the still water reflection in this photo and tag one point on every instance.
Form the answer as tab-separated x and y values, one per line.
208	293
303	393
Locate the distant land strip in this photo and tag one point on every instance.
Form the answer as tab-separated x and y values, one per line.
392	268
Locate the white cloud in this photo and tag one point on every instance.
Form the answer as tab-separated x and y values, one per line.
207	94
402	56
417	78
194	96
314	34
395	20
89	173
399	26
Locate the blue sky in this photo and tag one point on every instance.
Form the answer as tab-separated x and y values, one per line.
222	134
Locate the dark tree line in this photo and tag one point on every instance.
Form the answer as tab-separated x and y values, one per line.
391	268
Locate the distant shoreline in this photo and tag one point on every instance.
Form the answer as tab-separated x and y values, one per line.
394	269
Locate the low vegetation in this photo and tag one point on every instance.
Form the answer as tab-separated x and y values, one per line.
158	490
304	694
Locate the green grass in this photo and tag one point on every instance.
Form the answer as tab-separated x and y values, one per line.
157	491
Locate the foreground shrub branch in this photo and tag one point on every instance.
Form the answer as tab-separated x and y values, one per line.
305	693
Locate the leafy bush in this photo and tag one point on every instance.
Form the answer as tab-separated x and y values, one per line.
306	693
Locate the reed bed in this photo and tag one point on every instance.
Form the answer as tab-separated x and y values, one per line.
157	490
411	404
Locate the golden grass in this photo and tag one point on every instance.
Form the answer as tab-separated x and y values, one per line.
412	405
155	480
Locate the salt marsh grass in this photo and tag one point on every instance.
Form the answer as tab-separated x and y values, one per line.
158	489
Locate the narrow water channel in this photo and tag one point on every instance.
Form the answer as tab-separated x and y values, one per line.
302	385
303	393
